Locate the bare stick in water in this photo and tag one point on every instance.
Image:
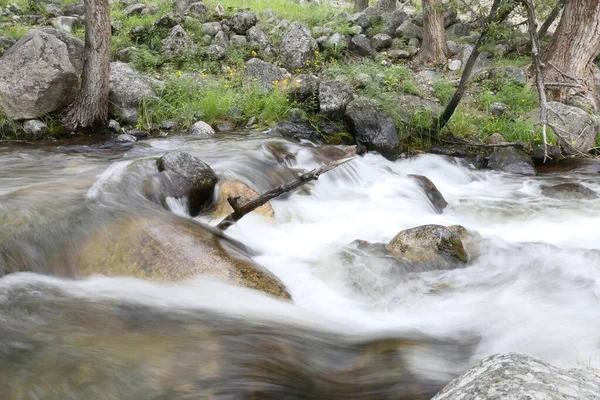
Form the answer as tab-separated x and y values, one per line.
239	210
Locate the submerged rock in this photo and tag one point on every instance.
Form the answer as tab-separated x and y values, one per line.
431	191
570	191
511	160
236	188
429	242
519	376
185	176
172	248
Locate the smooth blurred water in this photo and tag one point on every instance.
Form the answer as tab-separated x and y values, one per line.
532	283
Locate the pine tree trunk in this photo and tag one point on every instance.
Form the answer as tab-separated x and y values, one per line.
571	52
90	108
360	5
387	5
434	49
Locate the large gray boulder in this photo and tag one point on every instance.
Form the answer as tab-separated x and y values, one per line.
512	161
242	21
297	46
575	129
75	46
262	73
177	42
334	97
521	377
361	45
185	176
429	243
127	89
372	128
257	38
394	21
36	77
198	10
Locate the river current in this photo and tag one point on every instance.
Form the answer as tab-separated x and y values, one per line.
358	326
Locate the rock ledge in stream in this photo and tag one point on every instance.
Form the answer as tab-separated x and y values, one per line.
428	242
569	191
431	191
518	376
185	176
511	160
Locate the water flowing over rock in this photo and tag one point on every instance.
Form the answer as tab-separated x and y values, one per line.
428	242
372	128
36	77
185	176
570	191
519	376
431	191
127	89
511	160
263	74
297	46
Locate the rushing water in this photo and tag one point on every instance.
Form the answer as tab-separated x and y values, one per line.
359	326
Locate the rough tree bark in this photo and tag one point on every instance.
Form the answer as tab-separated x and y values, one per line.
90	107
360	5
434	49
551	18
387	5
497	15
571	52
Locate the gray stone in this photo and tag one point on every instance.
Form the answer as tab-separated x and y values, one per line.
242	21
428	243
34	127
262	73
185	176
452	47
482	61
177	42
15	9
494	138
125	138
221	39
511	160
198	10
333	98
127	89
238	40
459	30
215	52
212	28
515	74
362	81
36	77
305	89
75	46
167	125
372	128
498	109
297	130
381	41
436	198
570	191
361	45
395	20
167	21
336	41
297	46
257	38
519	376
398	54
414	42
5	44
201	128
575	129
65	23
126	54
225	127
409	30
355	30
454	64
408	105
541	154
134	9
360	19
114	126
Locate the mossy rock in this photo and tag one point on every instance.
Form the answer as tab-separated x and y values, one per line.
171	248
430	242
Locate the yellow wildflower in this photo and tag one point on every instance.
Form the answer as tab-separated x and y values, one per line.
253	52
179	73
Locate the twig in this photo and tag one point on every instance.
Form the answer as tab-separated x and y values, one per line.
565	84
240	210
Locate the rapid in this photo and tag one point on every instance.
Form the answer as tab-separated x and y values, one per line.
360	326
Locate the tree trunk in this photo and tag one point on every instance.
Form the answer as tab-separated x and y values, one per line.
360	5
90	108
387	5
551	18
434	49
571	52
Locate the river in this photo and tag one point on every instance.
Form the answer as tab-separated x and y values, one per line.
359	327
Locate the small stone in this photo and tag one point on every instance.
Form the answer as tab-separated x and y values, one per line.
125	138
381	41
126	54
34	127
167	125
454	64
134	9
225	127
494	138
428	243
511	160
199	10
243	21
114	126
333	98
216	52
362	80
212	28
361	45
498	109
201	128
398	54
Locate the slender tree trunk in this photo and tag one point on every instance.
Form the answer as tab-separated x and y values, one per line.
497	14
360	5
570	55
90	107
387	5
551	18
434	49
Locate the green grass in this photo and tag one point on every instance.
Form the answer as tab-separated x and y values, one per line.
443	91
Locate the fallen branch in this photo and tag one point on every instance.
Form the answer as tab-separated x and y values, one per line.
491	146
240	210
563	84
